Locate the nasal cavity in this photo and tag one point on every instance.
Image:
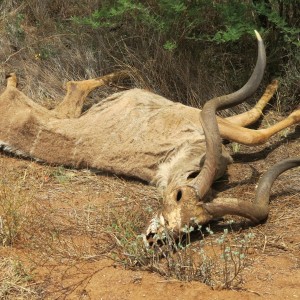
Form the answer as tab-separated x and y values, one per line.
193	175
179	195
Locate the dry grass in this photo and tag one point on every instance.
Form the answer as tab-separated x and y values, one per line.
15	203
38	38
69	222
15	281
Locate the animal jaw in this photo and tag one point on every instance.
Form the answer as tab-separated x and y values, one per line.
177	218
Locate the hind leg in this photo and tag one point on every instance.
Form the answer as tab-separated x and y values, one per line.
248	136
254	114
77	91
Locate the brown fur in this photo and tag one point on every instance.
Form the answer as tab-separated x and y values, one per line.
134	133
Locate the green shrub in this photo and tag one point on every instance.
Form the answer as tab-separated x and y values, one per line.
189	26
188	51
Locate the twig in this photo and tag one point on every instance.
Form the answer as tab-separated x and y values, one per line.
265	244
10	56
169	281
254	292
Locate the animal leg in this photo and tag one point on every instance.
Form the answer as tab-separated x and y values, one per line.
77	91
11	80
253	114
248	136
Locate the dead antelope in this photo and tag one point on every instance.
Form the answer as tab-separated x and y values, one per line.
143	135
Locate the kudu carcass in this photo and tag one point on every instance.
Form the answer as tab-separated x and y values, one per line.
143	135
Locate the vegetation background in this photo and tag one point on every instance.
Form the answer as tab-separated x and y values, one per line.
188	51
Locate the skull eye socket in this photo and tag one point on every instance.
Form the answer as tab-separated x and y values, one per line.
179	195
193	175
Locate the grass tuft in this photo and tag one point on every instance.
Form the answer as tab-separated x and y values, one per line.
214	259
15	281
14	211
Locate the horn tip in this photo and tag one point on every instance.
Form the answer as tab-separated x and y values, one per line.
258	35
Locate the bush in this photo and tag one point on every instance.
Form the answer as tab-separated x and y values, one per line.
189	26
175	48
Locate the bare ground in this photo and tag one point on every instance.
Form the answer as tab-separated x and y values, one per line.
66	245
